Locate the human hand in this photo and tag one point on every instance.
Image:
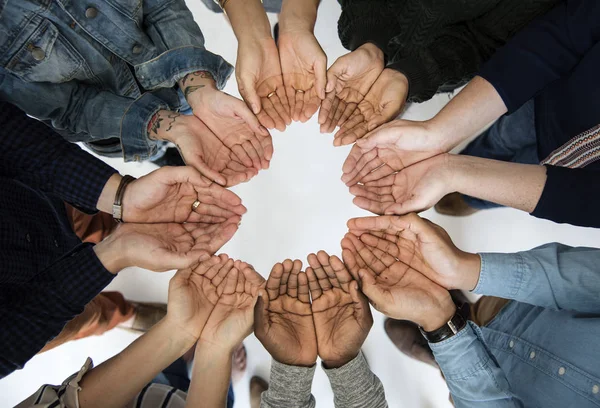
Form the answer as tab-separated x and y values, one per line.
167	195
340	311
383	102
258	74
230	322
395	288
416	188
348	81
230	120
201	149
304	67
162	247
283	317
388	149
423	245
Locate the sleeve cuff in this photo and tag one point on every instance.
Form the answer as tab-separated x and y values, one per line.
171	66
501	275
290	386
135	143
420	86
461	356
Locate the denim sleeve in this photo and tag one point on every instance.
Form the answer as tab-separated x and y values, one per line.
355	386
553	276
473	377
289	388
549	48
172	28
89	114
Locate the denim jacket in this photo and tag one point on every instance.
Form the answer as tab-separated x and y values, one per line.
100	70
541	350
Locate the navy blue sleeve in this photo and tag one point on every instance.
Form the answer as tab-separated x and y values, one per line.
33	153
33	313
548	49
570	196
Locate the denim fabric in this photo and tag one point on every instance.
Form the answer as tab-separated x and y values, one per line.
271	6
100	70
541	350
512	138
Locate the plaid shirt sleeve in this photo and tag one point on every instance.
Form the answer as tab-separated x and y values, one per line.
32	153
33	313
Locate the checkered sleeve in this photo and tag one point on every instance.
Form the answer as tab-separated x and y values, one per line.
33	313
34	154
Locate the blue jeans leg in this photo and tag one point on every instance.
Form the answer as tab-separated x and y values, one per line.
512	139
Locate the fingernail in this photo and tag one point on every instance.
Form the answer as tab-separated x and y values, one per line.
255	109
264	129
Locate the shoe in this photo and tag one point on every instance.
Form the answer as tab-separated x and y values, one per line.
257	387
170	158
455	205
146	316
408	339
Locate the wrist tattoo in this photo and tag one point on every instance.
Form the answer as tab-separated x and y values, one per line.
157	120
187	83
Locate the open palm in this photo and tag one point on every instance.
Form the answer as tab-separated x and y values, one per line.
283	317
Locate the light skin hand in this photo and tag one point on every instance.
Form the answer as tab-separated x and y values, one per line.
258	73
396	289
349	79
417	242
229	119
340	311
167	195
201	149
283	317
383	102
157	247
304	66
416	188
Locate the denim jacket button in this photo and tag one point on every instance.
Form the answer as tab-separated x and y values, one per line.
137	49
91	12
38	54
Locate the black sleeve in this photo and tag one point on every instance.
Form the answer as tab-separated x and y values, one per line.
570	196
33	153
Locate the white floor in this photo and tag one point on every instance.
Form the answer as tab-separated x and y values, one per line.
297	207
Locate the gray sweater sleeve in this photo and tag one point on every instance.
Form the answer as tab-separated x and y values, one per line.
355	386
289	387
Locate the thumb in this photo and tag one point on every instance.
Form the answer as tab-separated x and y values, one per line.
361	305
240	109
180	260
390	111
377	138
248	92
261	314
320	67
369	285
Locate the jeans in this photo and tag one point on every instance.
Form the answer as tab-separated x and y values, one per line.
511	139
176	375
271	6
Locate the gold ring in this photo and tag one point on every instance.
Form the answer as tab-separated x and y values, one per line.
299	91
195	205
271	94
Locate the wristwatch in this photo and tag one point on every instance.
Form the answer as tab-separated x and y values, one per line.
117	209
451	328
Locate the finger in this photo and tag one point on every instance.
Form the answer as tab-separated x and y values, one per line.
240	283
311	105
252	154
370	288
303	290
313	284
326	107
204	267
253	280
247	90
323	258
386	181
240	109
322	277
364	162
290	93
361	305
348	111
384	245
269	108
282	105
260	151
328	125
352	135
377	174
298	104
338	106
371	205
261	315
379	137
349	167
242	155
274	281
351	263
292	284
288	265
222	275
219	195
265	119
342	274
370	193
267	145
204	169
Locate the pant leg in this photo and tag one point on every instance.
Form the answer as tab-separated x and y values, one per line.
512	139
103	313
90	228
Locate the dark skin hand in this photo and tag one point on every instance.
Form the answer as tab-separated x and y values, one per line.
340	311
283	316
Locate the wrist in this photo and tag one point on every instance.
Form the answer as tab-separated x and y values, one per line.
107	197
216	351
375	53
182	339
164	124
339	362
468	271
110	253
439	317
298	15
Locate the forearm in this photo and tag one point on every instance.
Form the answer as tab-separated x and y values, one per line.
513	185
240	13
129	371
211	376
472	375
475	107
298	15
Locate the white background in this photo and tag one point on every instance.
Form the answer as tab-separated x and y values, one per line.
297	207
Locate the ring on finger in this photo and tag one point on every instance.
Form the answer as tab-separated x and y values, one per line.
195	205
271	94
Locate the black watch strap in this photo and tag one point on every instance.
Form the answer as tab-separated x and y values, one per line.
453	326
